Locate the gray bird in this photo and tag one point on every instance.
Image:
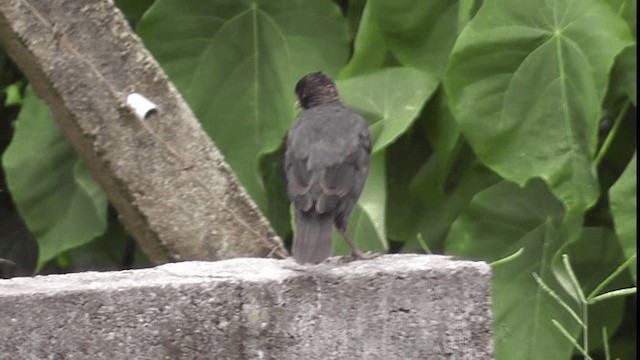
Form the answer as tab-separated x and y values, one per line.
326	165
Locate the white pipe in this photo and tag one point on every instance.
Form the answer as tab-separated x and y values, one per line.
141	106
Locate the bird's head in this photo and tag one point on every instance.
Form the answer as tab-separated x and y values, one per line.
316	89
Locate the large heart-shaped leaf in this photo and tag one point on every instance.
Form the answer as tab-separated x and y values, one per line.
526	80
390	99
443	206
236	63
405	157
496	223
624	207
444	136
369	48
419	33
57	197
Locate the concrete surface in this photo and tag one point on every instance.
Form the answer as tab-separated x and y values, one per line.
391	307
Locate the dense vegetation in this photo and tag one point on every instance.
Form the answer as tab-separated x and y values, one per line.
504	131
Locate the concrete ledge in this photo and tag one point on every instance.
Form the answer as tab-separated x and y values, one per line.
392	307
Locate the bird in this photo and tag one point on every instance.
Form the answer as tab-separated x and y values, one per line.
326	162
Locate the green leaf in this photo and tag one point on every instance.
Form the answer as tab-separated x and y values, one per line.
369	49
405	210
467	178
236	63
58	199
367	222
624	208
444	136
496	223
354	10
390	99
526	80
625	73
431	185
133	10
12	94
627	9
277	209
467	10
419	33
112	251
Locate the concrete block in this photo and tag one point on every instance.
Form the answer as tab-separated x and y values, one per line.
391	307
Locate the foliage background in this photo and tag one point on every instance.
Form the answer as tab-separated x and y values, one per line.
504	131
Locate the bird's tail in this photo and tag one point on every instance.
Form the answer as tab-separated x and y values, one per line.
313	241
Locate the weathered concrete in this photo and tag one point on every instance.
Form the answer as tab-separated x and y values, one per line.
392	307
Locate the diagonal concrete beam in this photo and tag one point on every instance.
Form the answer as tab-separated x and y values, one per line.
171	186
391	307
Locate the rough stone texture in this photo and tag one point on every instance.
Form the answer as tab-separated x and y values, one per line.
391	307
185	207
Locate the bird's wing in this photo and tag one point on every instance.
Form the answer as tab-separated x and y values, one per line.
321	173
345	179
298	181
337	182
298	177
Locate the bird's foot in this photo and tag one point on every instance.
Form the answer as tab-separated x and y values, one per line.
360	256
368	255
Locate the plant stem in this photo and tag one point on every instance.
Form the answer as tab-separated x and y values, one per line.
609	278
605	343
612	133
557	298
570	338
573	278
507	258
612	294
585	332
584	305
423	244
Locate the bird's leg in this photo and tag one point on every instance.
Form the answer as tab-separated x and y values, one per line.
355	252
